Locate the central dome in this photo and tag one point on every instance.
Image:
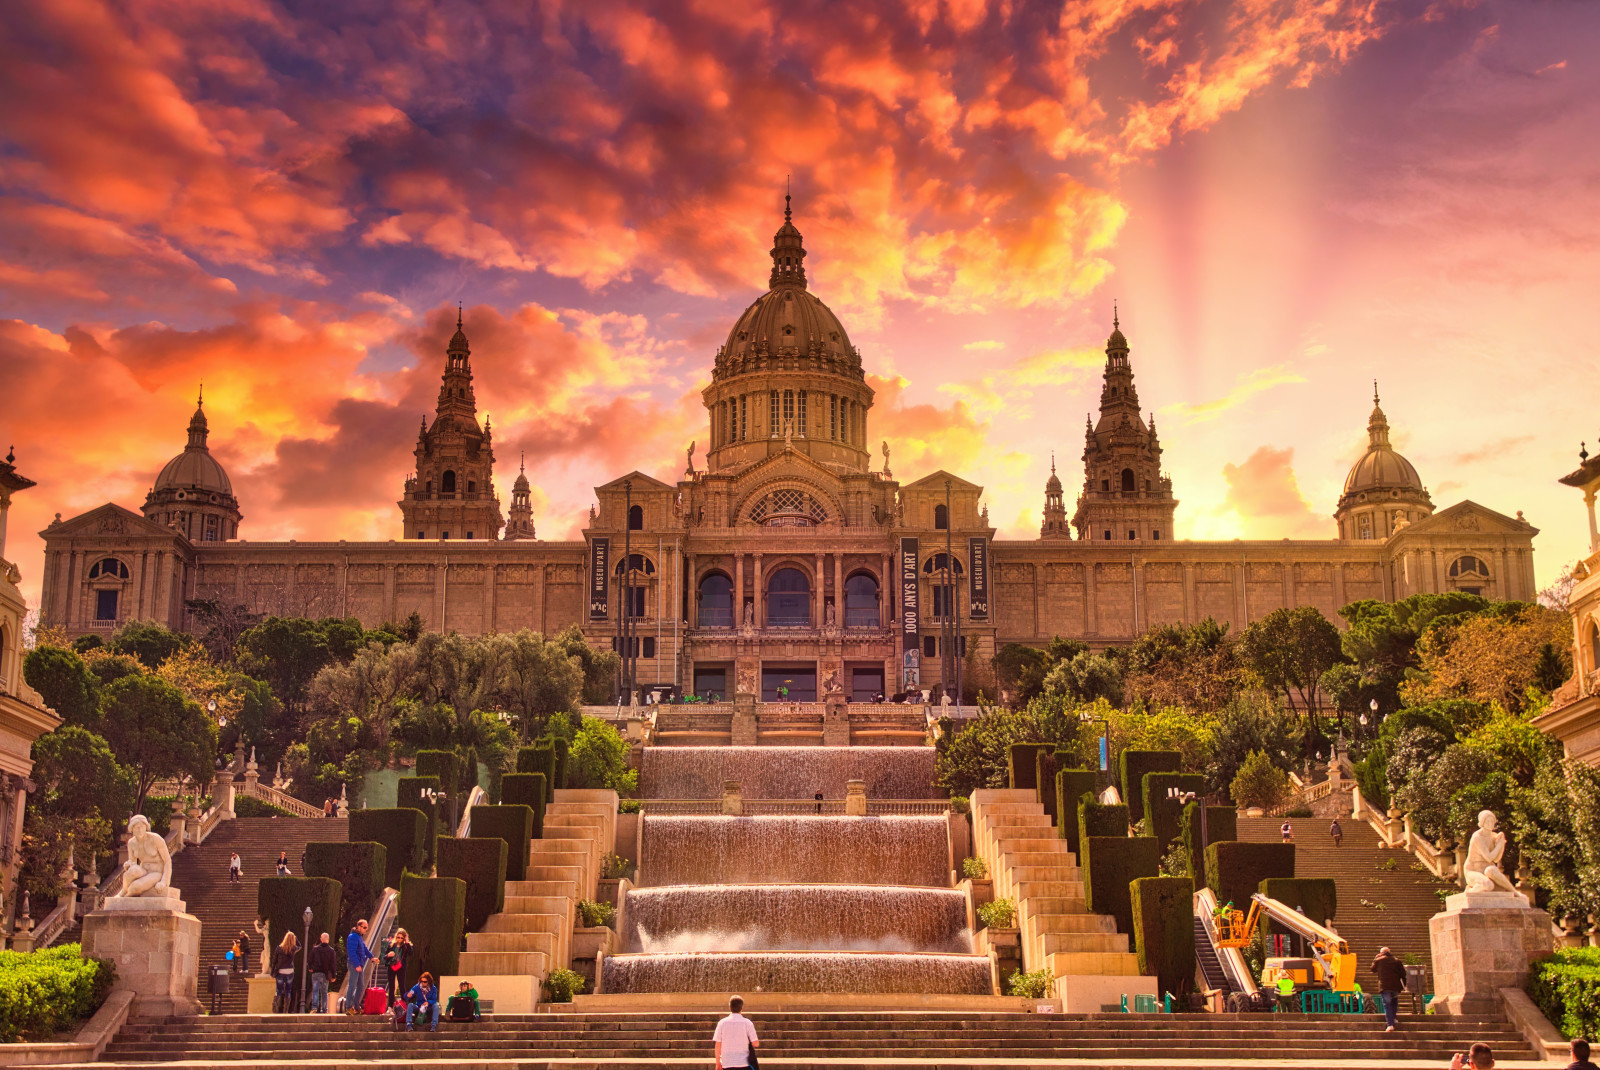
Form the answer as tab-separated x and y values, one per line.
1381	468
195	468
788	317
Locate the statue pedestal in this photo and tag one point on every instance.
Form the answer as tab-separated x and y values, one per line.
1482	942
260	991
155	947
835	720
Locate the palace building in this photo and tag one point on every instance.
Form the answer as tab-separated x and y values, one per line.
788	560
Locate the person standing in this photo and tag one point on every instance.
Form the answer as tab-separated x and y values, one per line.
1580	1056
283	863
1337	832
395	957
1391	974
356	957
734	1038
283	961
1288	831
241	952
235	868
323	962
327	807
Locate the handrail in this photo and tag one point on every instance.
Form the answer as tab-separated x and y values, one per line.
1395	831
282	800
1230	958
55	923
474	798
382	914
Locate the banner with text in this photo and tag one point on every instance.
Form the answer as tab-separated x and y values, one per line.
978	577
910	615
599	577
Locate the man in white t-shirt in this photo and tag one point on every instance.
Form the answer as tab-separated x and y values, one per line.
734	1038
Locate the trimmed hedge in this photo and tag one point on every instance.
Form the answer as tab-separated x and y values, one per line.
409	793
558	775
1315	897
514	825
1222	823
45	991
1163	931
1235	868
433	912
1110	865
539	758
1566	986
400	830
1101	819
1044	780
1071	786
1022	769
283	900
1134	765
1164	813
359	869
443	765
480	863
527	789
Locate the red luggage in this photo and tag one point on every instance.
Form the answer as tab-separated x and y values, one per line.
376	1001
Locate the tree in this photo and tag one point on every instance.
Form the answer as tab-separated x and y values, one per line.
65	683
223	624
1259	782
1086	678
538	677
1558	595
148	642
975	757
78	776
287	652
1290	650
1195	667
1382	637
599	666
157	732
598	758
1250	725
1492	657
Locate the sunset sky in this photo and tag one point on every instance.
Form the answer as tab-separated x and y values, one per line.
1287	199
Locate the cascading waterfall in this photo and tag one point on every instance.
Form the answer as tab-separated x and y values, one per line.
798	971
892	850
787	772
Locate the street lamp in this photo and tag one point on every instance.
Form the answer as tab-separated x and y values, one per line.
305	955
1184	798
1105	738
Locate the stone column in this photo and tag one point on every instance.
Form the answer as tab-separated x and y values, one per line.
1091	611
489	594
1338	585
760	595
838	589
822	597
887	583
738	589
1188	594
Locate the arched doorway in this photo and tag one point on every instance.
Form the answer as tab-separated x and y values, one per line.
789	599
716	601
861	601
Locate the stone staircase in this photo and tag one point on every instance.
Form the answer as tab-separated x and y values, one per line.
838	1040
1399	900
1031	866
201	875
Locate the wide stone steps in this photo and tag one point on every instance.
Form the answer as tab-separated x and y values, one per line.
200	873
788	1039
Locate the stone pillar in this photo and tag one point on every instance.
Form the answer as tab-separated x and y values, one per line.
822	597
1483	942
838	589
225	794
887	583
738	589
1091	611
835	720
760	597
732	804
855	798
1188	594
155	946
1338	583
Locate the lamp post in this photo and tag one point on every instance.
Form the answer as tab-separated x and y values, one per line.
305	955
1184	798
1105	739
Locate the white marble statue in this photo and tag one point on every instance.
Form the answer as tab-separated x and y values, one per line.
263	929
1484	852
149	868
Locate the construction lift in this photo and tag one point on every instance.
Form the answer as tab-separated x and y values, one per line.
1331	965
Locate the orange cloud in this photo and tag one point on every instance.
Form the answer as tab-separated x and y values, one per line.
1265	495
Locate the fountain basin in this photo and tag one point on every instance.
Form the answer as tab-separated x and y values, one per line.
798	971
889	850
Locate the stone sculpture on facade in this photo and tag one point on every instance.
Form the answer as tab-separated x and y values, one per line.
149	868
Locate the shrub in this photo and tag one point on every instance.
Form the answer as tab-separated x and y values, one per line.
400	830
1235	869
1162	812
410	793
974	868
1566	986
561	985
43	992
433	911
1258	782
998	914
1316	898
1101	819
527	789
445	767
595	914
628	806
250	806
540	758
1134	765
1071	786
1035	985
614	866
1044	780
960	804
283	900
1222	823
558	777
359	869
1022	767
599	758
1110	864
1163	930
480	862
1300	811
513	824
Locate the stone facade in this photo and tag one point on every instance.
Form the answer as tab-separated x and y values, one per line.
790	557
1574	713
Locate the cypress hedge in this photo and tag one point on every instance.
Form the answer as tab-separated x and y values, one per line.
444	766
539	758
1044	781
1222	823
528	760
558	775
1101	819
514	825
1071	786
283	900
1163	812
1163	930
400	830
410	794
1315	897
1235	868
1021	768
1135	764
527	789
433	911
1110	865
359	869
480	863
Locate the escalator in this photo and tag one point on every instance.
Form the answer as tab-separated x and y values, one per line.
1222	968
1205	953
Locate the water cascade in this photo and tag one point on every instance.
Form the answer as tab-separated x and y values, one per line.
805	971
893	850
787	772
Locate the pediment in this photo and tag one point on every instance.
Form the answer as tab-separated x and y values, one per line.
109	519
936	481
640	481
789	465
1468	518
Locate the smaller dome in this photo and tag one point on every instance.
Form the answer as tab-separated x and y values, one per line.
521	481
195	468
1381	468
1116	341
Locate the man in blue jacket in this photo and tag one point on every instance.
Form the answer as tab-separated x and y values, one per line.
356	957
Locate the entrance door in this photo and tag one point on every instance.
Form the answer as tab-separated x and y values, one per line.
866	684
711	684
800	681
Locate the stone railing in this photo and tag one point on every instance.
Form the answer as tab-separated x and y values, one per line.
1445	861
281	799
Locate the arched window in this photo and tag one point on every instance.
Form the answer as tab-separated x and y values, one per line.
944	594
789	599
447	483
941	517
716	601
861	601
1469	574
1127	481
635	518
639	563
108	568
1594	645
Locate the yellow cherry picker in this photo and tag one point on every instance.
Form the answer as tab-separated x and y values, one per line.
1331	964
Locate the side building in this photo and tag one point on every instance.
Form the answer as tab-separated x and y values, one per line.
788	560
